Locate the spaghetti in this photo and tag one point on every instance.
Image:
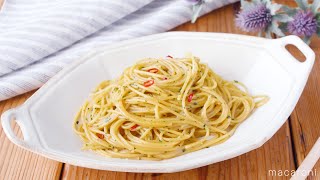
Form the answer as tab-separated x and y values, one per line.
163	108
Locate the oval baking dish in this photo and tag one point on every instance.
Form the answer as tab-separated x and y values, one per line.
264	65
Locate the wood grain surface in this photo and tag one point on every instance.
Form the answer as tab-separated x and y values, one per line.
284	151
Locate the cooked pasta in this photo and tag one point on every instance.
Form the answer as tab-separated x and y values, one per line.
163	108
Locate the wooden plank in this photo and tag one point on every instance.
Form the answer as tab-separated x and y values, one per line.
276	154
17	163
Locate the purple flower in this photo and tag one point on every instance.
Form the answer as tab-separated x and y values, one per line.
256	18
304	23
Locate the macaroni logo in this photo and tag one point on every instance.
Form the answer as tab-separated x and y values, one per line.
273	172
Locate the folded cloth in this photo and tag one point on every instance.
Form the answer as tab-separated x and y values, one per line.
39	37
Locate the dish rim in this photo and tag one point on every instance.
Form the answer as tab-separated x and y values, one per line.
33	143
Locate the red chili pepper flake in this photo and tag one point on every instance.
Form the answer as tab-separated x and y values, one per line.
153	70
165	78
101	136
169	56
148	83
133	128
190	97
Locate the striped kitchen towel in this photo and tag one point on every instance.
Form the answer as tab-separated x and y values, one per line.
39	37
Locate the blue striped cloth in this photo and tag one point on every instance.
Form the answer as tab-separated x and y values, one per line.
39	37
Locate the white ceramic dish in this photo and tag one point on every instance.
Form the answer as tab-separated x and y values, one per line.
265	66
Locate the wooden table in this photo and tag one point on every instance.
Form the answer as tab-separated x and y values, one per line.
284	151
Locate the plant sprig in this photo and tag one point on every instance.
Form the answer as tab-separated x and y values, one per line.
267	18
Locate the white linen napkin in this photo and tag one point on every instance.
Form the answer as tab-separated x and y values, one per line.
39	37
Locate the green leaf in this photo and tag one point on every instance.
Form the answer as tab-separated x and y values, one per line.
303	4
274	8
306	39
275	29
268	33
315	6
283	27
318	18
256	1
282	18
288	10
318	32
244	4
267	3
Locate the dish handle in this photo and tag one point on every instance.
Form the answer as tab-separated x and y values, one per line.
293	63
30	139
